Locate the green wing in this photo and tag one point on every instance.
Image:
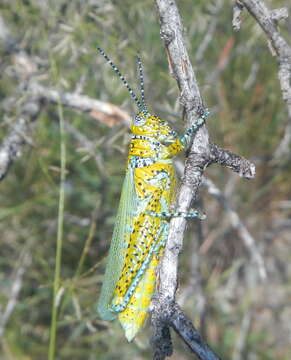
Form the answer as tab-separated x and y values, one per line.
127	209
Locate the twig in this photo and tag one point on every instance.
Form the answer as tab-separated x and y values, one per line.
105	112
13	143
243	335
236	18
210	32
14	293
195	280
238	224
161	341
268	21
233	161
252	76
87	145
202	154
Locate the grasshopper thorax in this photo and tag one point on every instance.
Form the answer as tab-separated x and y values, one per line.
146	124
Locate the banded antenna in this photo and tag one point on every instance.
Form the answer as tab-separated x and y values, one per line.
141	82
116	70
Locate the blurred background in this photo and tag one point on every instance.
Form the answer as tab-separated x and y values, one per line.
49	46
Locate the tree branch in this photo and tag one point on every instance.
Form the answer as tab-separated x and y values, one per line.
17	137
202	154
23	263
238	224
268	21
232	161
105	112
37	94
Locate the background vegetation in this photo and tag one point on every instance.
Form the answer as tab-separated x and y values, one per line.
238	79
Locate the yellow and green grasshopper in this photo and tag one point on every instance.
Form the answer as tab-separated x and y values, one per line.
142	222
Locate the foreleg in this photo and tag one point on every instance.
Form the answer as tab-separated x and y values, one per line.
185	139
182	142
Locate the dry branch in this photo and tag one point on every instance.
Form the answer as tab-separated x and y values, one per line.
165	311
37	95
24	261
202	154
238	224
268	21
105	112
17	137
13	143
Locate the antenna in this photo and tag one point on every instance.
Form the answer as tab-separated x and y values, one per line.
116	70
141	81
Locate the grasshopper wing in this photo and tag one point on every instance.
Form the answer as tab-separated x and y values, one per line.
121	233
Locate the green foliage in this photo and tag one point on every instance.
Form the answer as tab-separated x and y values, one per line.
248	117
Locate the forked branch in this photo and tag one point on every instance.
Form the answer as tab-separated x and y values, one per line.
165	311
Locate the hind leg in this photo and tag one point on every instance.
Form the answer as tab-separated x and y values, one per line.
192	214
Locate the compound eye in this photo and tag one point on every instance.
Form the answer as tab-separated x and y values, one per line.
138	120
